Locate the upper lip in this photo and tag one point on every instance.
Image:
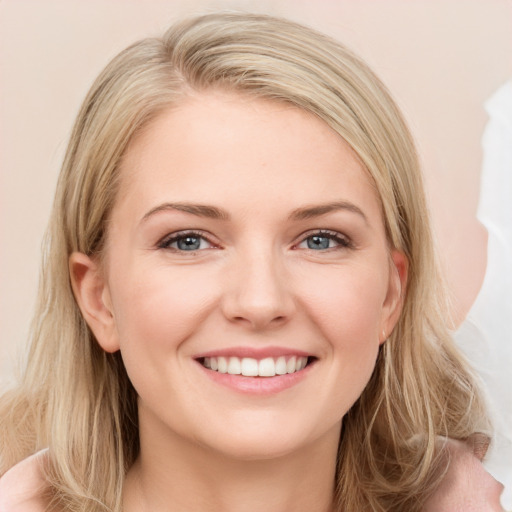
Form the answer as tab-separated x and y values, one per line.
254	352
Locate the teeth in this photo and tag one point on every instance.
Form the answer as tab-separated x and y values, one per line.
281	366
249	367
223	365
234	366
291	365
267	367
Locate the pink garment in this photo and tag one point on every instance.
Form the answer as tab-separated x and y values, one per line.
467	487
22	487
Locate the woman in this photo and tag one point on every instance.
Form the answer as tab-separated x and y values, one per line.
240	303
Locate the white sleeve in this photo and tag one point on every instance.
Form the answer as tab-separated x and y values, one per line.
486	334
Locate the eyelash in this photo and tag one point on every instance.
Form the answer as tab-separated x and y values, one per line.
166	242
342	241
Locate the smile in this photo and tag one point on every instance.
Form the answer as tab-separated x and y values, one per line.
251	367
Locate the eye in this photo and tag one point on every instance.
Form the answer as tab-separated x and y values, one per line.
188	241
324	240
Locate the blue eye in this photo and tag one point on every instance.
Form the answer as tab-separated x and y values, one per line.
189	243
185	242
324	240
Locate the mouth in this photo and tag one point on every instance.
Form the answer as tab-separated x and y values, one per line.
252	367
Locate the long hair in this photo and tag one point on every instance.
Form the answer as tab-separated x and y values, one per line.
78	400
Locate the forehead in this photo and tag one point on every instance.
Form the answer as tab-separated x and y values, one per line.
217	146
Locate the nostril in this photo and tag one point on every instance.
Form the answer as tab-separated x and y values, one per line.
259	321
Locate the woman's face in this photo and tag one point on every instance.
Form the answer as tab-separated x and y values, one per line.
246	238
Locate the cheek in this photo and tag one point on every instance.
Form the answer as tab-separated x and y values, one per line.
158	308
157	311
347	303
346	308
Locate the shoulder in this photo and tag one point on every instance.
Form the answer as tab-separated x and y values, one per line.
23	487
466	486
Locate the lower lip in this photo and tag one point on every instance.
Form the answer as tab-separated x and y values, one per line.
257	385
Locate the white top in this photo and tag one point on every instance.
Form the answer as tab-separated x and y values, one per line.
485	336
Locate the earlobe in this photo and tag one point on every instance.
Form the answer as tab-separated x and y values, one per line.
93	298
396	293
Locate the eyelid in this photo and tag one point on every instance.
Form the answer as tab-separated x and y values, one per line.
164	242
344	241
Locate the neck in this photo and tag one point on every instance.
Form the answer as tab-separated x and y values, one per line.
181	475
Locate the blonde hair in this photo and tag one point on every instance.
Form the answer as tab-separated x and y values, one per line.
78	400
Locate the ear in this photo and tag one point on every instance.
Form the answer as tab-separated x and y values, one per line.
395	296
93	298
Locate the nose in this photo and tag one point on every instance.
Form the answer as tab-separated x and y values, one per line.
258	293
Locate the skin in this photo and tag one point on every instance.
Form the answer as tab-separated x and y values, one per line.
256	280
467	487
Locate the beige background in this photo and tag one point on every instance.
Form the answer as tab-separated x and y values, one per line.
440	58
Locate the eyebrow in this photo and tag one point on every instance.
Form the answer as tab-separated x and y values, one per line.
213	212
200	210
309	212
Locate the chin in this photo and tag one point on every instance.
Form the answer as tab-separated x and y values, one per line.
243	449
263	442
